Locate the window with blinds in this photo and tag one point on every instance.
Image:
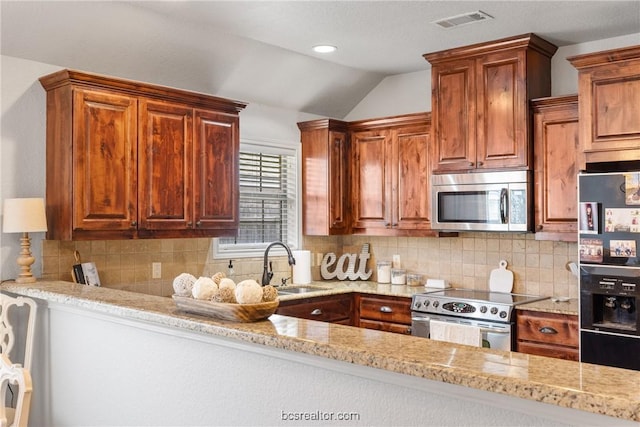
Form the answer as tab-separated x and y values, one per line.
268	201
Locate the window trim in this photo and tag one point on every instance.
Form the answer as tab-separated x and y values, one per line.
257	250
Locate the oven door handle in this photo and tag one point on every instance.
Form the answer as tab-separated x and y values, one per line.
495	331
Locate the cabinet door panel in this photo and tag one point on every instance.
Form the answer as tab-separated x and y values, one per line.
454	116
165	165
503	130
616	108
556	147
104	140
413	179
216	179
370	179
338	171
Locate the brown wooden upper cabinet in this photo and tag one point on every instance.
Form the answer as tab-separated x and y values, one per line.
390	175
133	160
555	148
480	95
609	106
325	177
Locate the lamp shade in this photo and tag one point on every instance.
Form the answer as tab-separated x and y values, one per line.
24	215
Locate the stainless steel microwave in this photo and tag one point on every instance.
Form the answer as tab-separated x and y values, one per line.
485	201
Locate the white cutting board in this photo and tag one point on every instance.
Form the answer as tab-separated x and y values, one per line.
501	279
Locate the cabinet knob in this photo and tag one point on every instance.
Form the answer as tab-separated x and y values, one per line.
198	224
387	224
189	224
548	330
539	227
480	163
471	163
134	223
316	312
386	309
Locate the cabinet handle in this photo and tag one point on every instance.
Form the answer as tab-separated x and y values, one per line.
190	224
134	223
387	224
386	309
548	330
539	227
395	224
470	163
480	163
316	312
198	224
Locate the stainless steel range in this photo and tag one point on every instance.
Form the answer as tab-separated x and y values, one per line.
492	312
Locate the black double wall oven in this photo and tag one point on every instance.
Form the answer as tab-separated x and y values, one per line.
609	231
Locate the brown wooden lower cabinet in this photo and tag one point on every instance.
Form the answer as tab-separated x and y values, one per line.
379	312
384	313
331	308
547	334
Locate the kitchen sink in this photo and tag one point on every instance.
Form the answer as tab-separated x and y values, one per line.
289	290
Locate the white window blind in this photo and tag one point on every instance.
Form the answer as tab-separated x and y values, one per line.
268	202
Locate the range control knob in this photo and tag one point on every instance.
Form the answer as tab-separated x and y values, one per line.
483	309
494	310
503	314
426	303
435	304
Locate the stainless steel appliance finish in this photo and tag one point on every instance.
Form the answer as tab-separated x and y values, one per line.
484	201
492	312
609	269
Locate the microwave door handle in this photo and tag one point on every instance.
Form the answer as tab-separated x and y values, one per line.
504	204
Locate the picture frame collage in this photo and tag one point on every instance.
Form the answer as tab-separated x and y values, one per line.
595	219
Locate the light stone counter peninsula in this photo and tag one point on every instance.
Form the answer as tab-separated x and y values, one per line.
110	357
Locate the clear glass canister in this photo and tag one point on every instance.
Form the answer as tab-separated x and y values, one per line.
384	271
398	276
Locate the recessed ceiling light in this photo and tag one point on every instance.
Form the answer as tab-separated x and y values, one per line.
324	48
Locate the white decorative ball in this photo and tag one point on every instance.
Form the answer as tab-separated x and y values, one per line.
248	292
183	283
227	283
204	288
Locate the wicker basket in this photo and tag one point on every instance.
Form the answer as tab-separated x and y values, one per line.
227	311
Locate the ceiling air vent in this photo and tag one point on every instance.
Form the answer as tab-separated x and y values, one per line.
465	18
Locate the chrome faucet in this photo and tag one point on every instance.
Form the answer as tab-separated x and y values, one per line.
266	274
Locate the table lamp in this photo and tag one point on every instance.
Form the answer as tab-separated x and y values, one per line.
24	216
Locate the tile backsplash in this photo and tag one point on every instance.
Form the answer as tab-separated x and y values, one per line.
466	261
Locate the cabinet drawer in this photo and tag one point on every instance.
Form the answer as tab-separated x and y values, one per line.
550	328
548	350
386	309
397	328
330	309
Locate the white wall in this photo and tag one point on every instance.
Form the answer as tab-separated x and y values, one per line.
564	77
22	147
411	93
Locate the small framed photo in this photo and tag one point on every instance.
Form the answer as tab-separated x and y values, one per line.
632	188
622	248
590	250
589	218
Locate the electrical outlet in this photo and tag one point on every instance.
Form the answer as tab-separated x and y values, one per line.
156	270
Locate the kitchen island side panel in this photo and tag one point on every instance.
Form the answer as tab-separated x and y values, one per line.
102	369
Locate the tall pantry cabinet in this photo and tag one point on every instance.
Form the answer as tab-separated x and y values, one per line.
133	160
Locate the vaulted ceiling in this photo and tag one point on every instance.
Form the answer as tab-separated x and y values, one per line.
260	51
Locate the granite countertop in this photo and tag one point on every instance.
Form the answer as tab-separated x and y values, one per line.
365	287
553	305
587	387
